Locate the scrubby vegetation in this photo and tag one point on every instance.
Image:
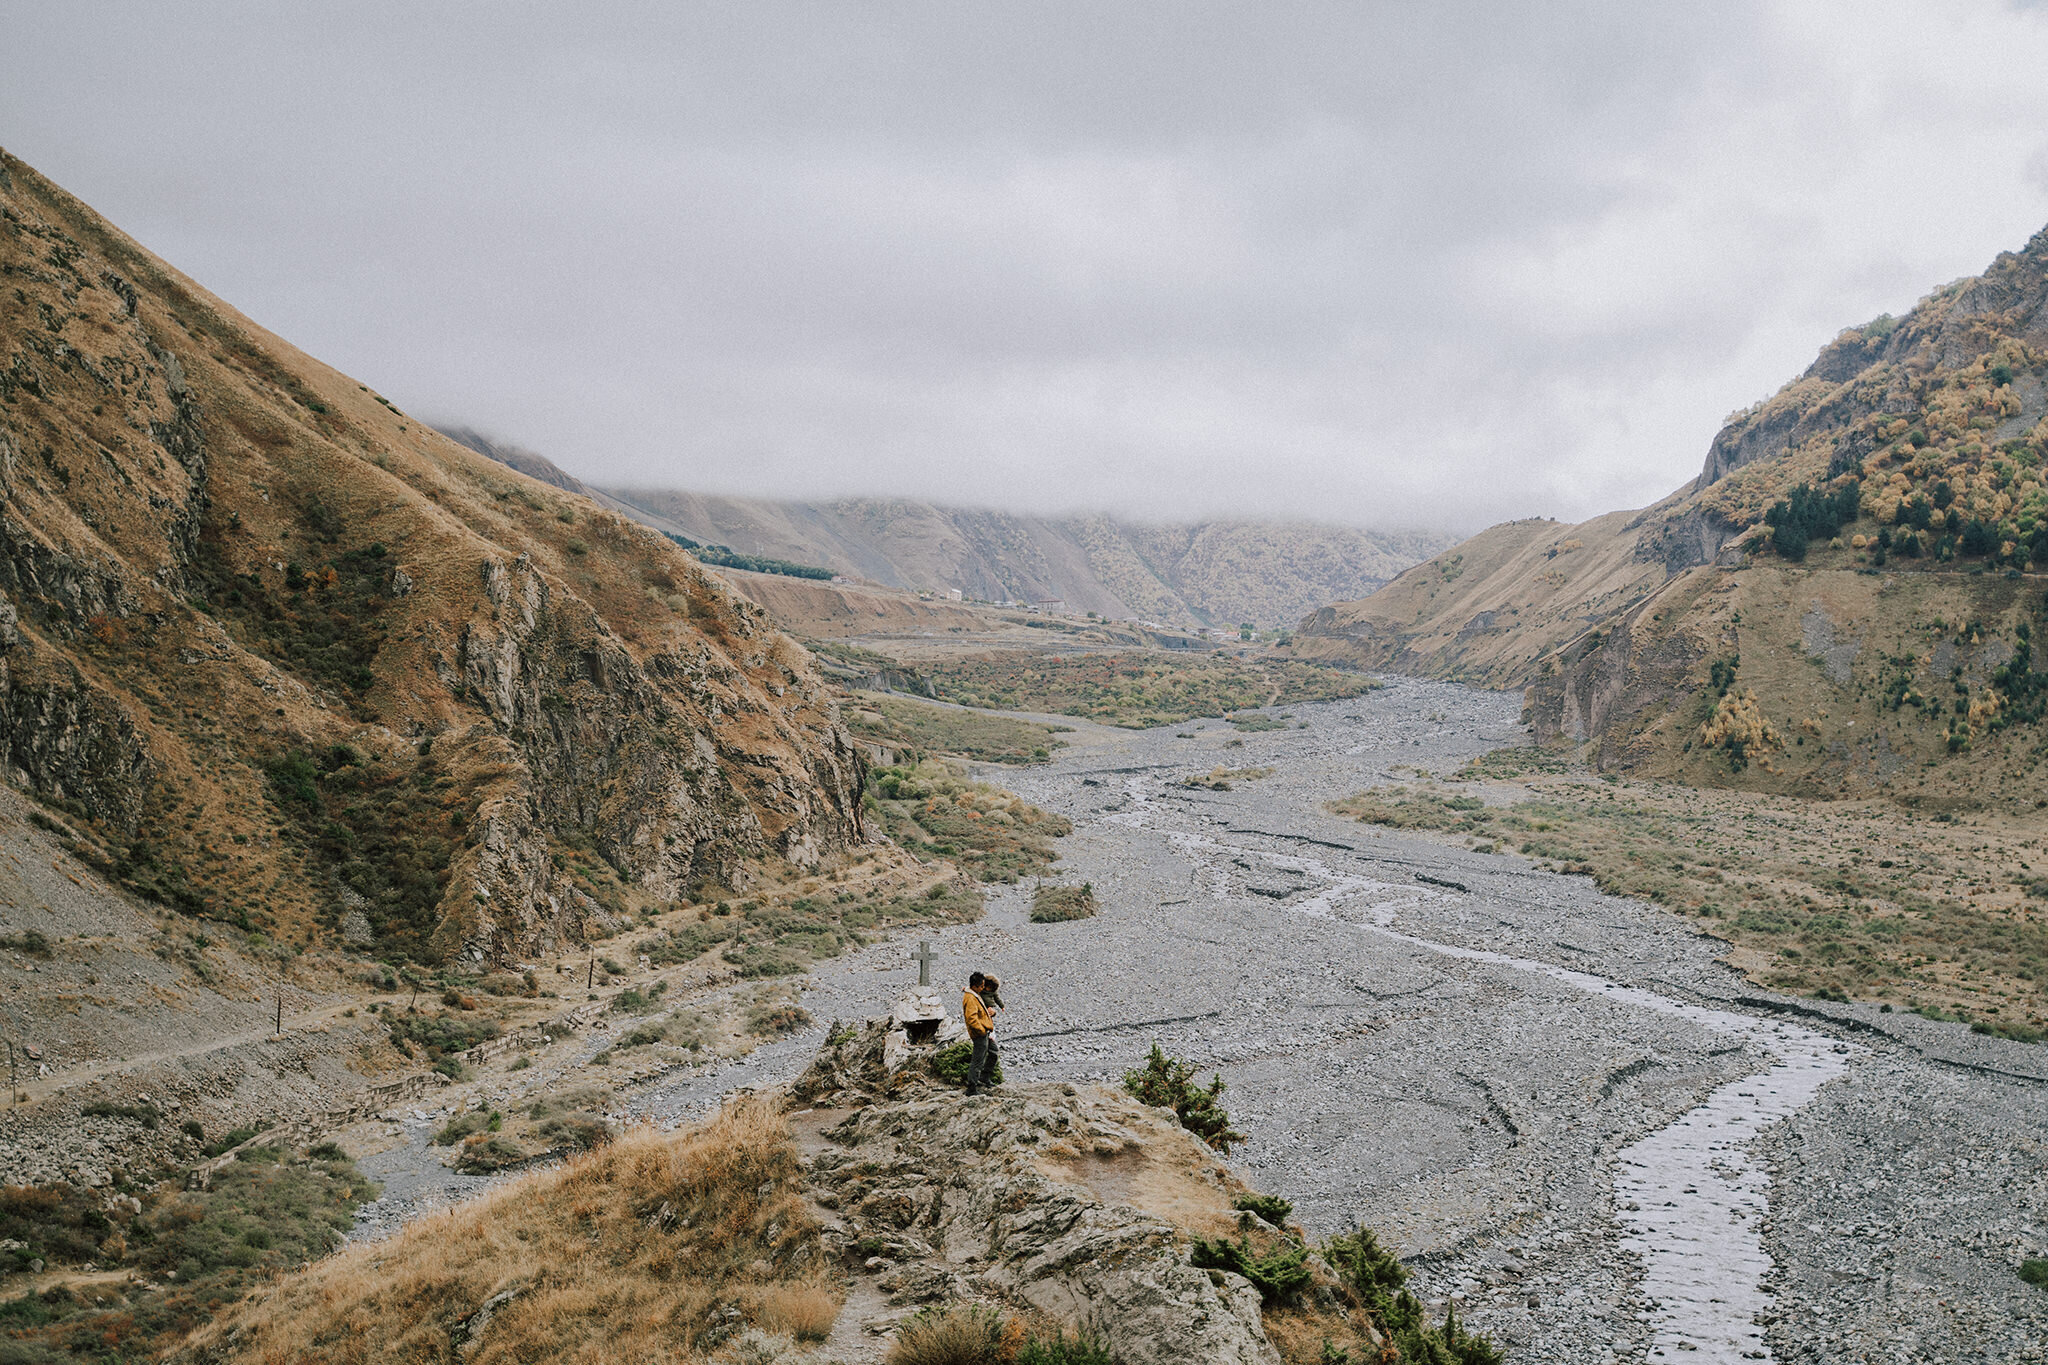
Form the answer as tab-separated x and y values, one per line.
918	729
384	835
932	811
440	1037
1807	516
1951	479
950	1063
323	620
1272	1208
957	1334
29	941
728	558
1137	690
1869	901
1170	1084
1224	779
770	937
206	1249
1279	1274
1051	905
1057	904
1378	1283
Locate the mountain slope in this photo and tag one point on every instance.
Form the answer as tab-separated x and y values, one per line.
292	660
1215	573
1847	596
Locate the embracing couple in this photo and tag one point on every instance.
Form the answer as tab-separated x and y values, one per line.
977	1009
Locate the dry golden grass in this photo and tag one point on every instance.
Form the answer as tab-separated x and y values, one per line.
958	1334
636	1252
1300	1333
803	1311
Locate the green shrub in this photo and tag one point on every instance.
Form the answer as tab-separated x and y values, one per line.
2035	1272
441	1034
144	1114
1169	1083
462	1126
1083	1348
1279	1275
55	1223
1269	1207
385	834
950	1064
2018	1033
29	941
493	1153
256	1216
644	1035
1379	1283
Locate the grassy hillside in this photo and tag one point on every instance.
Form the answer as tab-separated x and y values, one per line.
1487	610
288	659
1844	602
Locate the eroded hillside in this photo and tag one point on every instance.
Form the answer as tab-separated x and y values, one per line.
287	658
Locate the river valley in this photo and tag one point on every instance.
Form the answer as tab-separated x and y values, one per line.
1574	1122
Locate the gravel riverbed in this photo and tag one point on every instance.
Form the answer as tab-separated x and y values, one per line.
1575	1123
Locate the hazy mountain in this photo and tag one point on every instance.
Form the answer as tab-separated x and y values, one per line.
1210	573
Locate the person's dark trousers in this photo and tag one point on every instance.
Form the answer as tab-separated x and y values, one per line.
978	1065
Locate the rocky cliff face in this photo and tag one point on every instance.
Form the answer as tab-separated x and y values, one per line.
287	655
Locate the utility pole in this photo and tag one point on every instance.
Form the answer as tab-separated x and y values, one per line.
590	984
280	995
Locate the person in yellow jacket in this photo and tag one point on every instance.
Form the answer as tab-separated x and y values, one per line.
981	1026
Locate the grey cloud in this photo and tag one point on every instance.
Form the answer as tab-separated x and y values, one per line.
1390	264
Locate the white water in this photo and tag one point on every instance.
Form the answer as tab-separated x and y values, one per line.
1690	1196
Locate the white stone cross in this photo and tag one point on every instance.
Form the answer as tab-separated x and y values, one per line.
925	958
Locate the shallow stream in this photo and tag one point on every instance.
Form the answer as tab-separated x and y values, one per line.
1691	1197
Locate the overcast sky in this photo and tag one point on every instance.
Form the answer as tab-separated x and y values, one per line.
1417	264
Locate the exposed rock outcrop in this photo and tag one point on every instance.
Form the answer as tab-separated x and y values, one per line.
1076	1202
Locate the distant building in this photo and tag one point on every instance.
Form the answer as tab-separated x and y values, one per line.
1050	604
952	594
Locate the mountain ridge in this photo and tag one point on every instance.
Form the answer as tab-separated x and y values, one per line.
1214	573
